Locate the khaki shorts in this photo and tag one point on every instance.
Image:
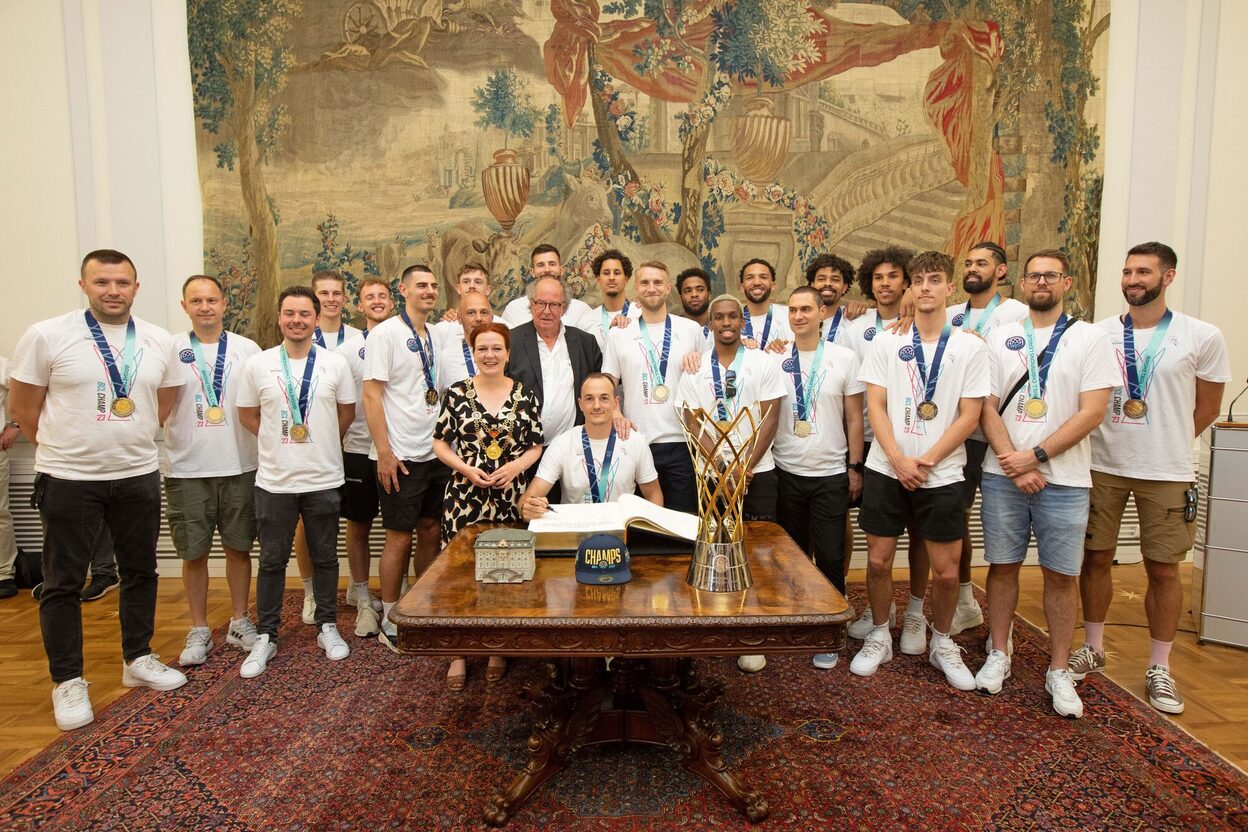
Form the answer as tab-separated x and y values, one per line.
198	506
1165	537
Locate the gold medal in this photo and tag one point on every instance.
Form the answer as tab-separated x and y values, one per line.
801	428
1035	408
214	415
661	393
1135	408
122	407
493	450
928	410
431	397
299	433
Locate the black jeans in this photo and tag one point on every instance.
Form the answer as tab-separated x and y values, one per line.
73	512
813	511
276	518
675	468
103	566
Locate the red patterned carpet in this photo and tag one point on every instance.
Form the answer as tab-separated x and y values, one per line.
375	742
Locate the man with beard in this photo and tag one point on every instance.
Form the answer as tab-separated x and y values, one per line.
1051	378
694	287
455	361
1169	389
984	309
831	277
613	270
765	324
545	262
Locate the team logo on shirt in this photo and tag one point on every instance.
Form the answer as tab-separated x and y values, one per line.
187	356
869	334
361	353
790	365
958	319
412	345
906	353
1015	342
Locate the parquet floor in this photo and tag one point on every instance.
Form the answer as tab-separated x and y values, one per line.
1213	679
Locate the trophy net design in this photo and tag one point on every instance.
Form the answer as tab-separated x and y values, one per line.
721	451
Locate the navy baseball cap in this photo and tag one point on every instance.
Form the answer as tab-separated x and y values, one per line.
603	559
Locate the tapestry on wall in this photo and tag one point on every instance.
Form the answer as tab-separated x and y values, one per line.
367	135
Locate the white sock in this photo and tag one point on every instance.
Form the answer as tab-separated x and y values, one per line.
361	591
385	612
307	586
966	594
940	639
915	606
881	630
205	629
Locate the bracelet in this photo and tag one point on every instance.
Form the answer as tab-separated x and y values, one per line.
13	425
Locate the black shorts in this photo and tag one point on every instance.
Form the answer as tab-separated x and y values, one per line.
866	451
887	509
973	471
359	491
421	493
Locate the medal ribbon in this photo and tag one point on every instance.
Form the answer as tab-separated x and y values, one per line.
658	363
214	383
606	322
1038	370
929	374
298	399
749	328
472	368
717	386
1138	376
319	336
983	318
835	325
121	378
425	360
599	491
803	394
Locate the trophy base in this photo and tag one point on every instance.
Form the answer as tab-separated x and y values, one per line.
719	567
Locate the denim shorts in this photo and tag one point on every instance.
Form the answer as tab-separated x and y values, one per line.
1058	515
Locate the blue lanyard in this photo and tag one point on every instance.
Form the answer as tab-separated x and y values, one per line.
319	337
599	491
658	364
606	322
214	384
929	375
418	347
298	400
472	368
1038	370
749	328
803	394
983	318
1138	376
122	378
835	325
717	386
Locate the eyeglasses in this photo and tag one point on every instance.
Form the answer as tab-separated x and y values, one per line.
543	305
730	384
1045	277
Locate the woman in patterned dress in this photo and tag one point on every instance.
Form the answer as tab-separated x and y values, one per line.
489	435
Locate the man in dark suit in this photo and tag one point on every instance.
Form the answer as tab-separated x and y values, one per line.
552	360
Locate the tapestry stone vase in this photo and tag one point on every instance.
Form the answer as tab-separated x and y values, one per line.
760	140
506	187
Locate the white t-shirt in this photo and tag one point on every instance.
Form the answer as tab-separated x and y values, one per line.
4	390
779	330
1008	311
862	331
1158	446
626	358
824	452
1083	361
594	323
331	339
288	467
963	374
758	380
79	437
559	391
518	312
353	351
195	446
842	330
563	461
409	417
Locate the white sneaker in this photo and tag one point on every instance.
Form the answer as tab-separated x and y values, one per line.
258	659
947	658
72	705
309	609
993	674
1009	643
389	636
876	650
966	616
353	601
198	643
825	661
861	628
367	622
150	672
335	648
242	633
913	634
751	664
1065	700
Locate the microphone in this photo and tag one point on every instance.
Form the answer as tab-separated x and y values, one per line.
1230	410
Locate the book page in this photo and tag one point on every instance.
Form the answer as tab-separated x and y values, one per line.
579	517
646	515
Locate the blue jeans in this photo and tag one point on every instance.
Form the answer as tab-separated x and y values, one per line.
1058	515
276	518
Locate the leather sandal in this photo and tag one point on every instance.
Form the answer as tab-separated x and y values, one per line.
496	669
456	681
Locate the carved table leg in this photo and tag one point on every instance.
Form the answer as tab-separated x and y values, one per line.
685	719
568	705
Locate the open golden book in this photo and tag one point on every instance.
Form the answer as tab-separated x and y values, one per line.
564	527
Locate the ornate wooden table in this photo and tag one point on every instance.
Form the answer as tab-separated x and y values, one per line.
652	626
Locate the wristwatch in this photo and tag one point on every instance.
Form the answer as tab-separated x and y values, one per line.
13	425
1041	456
858	467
